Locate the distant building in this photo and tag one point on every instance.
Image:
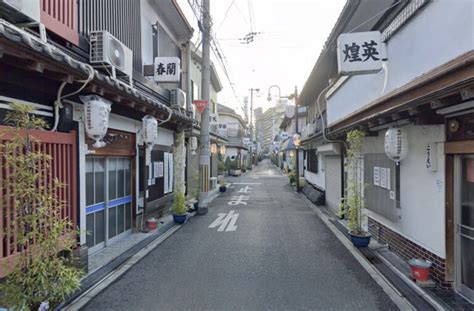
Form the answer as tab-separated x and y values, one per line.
234	129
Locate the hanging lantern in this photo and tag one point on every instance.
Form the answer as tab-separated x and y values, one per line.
213	148
297	140
96	118
149	130
222	150
193	144
396	144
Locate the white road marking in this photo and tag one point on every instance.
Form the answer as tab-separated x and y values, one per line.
239	199
246	183
232	227
245	189
225	220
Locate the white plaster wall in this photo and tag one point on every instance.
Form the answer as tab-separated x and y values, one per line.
440	32
149	16
422	192
317	179
165	137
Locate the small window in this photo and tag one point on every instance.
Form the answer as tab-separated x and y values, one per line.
312	161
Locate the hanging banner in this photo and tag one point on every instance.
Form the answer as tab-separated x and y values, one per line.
200	105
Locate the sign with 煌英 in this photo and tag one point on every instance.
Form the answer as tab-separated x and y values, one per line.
167	69
360	52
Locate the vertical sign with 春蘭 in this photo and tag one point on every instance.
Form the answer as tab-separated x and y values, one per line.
167	69
360	52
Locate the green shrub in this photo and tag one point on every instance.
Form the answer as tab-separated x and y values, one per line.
40	274
179	204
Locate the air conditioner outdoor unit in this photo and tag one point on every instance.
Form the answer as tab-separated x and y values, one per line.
108	51
21	11
177	98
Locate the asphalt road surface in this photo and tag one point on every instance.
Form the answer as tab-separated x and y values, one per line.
260	247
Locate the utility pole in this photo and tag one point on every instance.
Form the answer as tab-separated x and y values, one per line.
297	147
251	124
204	155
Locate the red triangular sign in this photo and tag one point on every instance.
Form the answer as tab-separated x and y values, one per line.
200	105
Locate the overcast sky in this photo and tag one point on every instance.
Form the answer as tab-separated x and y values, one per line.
291	35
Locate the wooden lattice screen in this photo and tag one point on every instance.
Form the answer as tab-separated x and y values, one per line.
60	17
62	149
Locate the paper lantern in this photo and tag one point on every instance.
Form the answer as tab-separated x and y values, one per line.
396	144
222	150
96	118
149	130
213	148
297	140
193	144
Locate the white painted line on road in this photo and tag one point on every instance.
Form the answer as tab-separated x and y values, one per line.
246	183
232	227
379	278
87	296
225	220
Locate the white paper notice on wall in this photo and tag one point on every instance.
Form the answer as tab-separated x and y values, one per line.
383	177
376	176
157	169
392	195
432	157
388	178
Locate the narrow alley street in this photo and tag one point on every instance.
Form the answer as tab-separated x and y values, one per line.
260	247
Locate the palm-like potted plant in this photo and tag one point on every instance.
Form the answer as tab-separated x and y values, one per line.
179	208
355	188
222	185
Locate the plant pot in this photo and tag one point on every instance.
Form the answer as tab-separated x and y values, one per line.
420	269
222	188
179	219
360	240
152	224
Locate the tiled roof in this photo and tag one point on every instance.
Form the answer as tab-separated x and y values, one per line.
35	47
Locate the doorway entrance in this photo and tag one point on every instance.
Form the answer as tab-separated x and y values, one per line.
464	233
108	200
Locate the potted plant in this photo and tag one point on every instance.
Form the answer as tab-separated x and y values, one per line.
222	185
355	187
179	209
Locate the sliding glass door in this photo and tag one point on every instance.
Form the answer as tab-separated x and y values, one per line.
108	199
465	226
